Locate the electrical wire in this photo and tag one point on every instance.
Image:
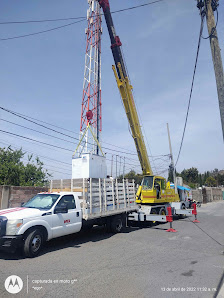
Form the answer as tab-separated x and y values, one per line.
192	85
41	21
27	119
75	18
14	113
40	32
69	130
14	134
36	154
45	163
213	29
51	145
36	131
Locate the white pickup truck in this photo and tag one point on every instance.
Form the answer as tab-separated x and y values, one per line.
54	214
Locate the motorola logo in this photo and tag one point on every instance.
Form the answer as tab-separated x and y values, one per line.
13	284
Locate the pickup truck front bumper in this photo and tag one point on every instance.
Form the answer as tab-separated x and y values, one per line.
11	243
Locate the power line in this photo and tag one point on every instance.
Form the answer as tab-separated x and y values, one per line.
41	21
30	139
36	154
14	134
192	85
70	24
43	157
25	118
40	32
75	18
36	131
69	130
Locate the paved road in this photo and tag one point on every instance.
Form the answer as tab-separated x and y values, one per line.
147	262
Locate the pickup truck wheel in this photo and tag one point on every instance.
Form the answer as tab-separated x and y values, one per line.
33	243
116	224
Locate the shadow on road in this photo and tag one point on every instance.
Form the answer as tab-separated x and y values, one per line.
74	240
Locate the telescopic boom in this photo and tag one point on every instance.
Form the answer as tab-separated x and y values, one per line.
125	89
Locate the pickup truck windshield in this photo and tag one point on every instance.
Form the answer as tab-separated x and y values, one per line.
42	201
147	182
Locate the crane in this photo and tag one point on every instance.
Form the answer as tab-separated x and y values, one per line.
153	189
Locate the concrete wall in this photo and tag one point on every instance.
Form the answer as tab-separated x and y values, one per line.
207	194
197	195
13	196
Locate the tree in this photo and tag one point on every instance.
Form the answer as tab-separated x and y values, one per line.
14	172
190	175
210	181
132	175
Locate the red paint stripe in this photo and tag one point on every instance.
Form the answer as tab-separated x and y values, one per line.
10	211
4	211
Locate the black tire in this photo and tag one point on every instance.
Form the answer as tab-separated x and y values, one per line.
33	243
116	224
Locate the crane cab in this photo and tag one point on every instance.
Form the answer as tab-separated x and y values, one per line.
155	190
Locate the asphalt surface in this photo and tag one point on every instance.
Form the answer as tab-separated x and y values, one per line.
141	262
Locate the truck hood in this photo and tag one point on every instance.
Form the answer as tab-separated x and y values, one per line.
21	213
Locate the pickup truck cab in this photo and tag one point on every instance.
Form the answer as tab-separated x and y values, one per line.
54	214
43	217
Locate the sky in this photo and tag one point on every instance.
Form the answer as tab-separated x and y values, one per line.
41	76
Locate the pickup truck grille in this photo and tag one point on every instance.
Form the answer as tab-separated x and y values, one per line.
3	222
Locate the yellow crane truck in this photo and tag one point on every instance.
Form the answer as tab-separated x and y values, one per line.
154	191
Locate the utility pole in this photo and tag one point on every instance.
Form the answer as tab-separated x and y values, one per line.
112	165
172	163
207	7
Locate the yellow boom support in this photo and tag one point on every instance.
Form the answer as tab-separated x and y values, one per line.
125	89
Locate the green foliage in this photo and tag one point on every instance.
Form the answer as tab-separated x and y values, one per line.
14	172
210	181
194	179
132	175
190	175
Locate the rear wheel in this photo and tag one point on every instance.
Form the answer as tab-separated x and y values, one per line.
33	243
116	224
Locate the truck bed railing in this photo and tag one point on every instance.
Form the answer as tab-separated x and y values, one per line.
99	197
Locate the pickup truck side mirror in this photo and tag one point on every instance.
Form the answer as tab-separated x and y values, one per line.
22	204
63	208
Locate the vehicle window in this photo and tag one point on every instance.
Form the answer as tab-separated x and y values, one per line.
147	182
157	184
42	201
163	184
69	200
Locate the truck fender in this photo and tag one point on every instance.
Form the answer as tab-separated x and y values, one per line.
34	223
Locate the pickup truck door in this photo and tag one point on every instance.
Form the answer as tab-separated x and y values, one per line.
67	223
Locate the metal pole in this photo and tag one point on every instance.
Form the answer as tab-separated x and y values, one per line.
216	57
172	163
116	166
112	166
120	166
124	168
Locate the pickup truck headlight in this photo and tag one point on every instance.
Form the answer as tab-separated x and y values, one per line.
13	225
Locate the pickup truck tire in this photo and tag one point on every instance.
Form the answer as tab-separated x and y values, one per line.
33	243
116	224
